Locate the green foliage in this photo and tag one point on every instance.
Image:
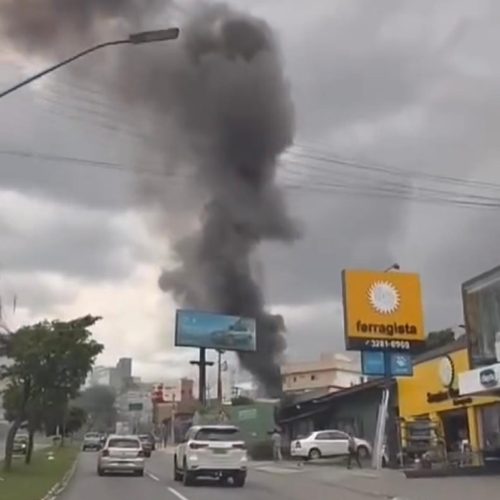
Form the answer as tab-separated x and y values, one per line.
439	338
99	404
76	419
49	363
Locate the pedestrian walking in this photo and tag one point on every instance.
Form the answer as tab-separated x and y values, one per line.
353	452
276	440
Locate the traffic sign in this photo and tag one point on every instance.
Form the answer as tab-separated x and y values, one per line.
386	364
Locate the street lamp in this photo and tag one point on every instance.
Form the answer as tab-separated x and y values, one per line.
134	39
394	266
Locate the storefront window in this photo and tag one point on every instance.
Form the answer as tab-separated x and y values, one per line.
490	419
482	317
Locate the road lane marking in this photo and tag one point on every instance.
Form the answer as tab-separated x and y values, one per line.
180	496
152	476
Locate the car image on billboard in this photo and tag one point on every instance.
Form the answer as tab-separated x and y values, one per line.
214	331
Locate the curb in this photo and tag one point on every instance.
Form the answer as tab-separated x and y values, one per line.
59	487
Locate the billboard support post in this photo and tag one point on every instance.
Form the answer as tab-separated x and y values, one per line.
202	363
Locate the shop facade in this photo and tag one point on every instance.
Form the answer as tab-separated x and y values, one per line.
352	410
481	302
433	395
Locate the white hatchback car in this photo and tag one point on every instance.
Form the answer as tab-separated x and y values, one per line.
211	451
327	443
121	454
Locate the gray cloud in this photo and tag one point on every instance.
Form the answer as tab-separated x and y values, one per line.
409	84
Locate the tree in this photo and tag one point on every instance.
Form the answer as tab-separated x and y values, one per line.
49	363
77	417
99	403
439	338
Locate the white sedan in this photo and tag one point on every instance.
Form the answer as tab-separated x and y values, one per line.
327	443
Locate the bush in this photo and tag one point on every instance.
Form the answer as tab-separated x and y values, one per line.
261	450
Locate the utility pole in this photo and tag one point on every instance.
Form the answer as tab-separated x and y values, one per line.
202	363
219	376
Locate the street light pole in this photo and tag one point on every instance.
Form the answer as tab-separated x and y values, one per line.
134	39
394	266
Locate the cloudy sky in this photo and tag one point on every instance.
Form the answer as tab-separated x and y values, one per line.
395	160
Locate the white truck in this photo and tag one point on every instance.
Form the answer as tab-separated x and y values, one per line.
122	428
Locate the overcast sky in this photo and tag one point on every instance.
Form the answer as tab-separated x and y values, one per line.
401	88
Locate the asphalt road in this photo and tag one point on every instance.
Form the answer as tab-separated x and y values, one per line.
270	482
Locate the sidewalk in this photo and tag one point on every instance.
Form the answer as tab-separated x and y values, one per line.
392	484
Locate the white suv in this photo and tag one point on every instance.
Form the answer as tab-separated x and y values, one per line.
213	451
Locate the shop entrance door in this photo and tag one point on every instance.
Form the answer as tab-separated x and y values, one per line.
456	428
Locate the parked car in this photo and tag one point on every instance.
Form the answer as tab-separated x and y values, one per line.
121	454
20	444
148	443
214	451
92	441
327	443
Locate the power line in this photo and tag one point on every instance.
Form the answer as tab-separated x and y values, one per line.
289	182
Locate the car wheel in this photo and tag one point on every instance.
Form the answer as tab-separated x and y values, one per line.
239	480
363	451
314	454
139	472
177	474
100	472
187	476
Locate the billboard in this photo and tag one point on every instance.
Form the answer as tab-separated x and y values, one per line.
214	331
382	311
481	301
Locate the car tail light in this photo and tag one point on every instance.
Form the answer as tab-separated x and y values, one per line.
297	444
197	446
105	453
239	446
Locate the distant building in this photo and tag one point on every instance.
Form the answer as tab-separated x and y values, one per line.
169	392
331	373
245	390
124	368
100	375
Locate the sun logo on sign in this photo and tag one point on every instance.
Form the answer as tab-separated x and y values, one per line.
384	297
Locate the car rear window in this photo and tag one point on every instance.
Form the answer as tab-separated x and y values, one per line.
92	435
218	435
123	443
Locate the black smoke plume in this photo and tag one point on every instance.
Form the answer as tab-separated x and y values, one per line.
218	107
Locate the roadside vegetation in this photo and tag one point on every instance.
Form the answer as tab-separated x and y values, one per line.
33	481
48	364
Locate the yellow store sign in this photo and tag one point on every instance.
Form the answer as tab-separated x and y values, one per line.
382	310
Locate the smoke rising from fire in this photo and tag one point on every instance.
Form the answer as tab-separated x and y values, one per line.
218	107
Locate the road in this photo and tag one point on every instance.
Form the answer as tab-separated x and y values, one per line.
270	482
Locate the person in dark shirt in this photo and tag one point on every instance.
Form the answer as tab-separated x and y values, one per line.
353	452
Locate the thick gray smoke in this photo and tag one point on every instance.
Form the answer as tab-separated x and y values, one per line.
219	106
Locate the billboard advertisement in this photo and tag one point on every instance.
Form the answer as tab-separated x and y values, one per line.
481	300
214	331
382	311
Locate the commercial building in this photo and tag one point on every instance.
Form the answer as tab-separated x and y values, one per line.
331	373
481	300
353	409
433	394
